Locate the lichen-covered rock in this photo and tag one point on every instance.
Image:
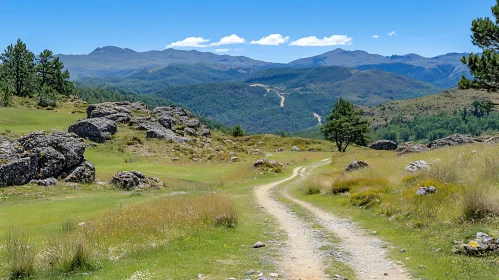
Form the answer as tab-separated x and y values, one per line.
45	182
417	166
426	190
411	147
38	156
117	111
481	245
453	140
356	165
83	173
386	145
95	129
268	165
295	149
133	179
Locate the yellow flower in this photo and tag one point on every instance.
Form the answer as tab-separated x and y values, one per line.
473	244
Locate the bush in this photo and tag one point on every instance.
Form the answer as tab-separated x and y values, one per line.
237	131
366	199
70	254
478	203
20	255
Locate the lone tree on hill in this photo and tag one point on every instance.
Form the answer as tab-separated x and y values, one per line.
484	67
237	131
345	126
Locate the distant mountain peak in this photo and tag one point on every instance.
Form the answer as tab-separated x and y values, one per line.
111	50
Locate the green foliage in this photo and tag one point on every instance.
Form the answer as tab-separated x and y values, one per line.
21	76
19	68
237	131
484	67
424	129
345	126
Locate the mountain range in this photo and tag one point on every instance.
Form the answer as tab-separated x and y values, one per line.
263	96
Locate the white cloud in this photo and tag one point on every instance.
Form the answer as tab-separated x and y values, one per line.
375	36
271	40
392	33
313	41
196	42
229	40
222	50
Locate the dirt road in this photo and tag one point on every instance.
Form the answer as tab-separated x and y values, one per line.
364	253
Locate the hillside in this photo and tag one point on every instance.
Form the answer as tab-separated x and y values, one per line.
115	61
441	71
446	101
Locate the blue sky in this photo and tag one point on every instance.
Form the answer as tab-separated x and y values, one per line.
426	27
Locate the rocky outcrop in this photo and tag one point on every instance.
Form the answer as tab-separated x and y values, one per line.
356	165
95	129
116	111
386	145
417	166
479	246
38	156
129	180
268	165
411	147
295	149
453	140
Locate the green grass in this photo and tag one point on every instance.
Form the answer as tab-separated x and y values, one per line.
423	225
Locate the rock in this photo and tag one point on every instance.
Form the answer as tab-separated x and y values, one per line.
120	117
417	166
116	111
339	277
250	272
402	250
133	179
205	132
312	150
386	145
279	150
453	140
83	173
258	244
95	129
45	182
234	159
421	191
295	149
269	165
38	156
193	123
410	147
273	275
155	133
190	131
492	139
356	165
258	152
473	152
167	121
259	143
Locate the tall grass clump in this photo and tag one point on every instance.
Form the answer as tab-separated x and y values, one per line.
313	185
21	257
68	254
479	202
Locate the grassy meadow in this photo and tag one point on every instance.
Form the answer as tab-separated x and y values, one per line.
203	221
383	199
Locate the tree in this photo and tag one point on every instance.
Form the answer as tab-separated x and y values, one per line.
19	68
484	67
345	126
237	131
49	70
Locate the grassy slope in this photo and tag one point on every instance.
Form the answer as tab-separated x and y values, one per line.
216	252
447	101
425	226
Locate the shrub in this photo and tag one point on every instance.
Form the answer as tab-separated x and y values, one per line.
366	199
20	255
70	254
226	220
237	131
478	203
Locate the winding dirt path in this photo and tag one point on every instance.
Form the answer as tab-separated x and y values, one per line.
365	253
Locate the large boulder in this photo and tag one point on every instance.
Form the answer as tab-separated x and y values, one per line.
386	145
95	129
268	165
112	109
38	156
356	165
82	173
453	140
129	180
411	147
417	166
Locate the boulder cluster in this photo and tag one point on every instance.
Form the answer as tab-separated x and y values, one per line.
417	166
168	123
129	180
43	158
481	244
356	165
268	165
411	147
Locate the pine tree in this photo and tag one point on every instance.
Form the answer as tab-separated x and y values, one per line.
19	69
50	73
484	67
345	126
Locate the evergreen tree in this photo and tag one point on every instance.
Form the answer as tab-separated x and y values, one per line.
345	126
484	67
50	73
19	68
237	131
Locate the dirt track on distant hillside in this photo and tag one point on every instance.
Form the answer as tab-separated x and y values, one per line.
301	259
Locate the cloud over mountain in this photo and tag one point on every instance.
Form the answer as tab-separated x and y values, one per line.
229	40
271	40
313	41
196	42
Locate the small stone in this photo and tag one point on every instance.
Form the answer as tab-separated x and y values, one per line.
473	152
260	274
273	275
250	272
402	250
386	274
200	276
422	266
438	250
258	244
